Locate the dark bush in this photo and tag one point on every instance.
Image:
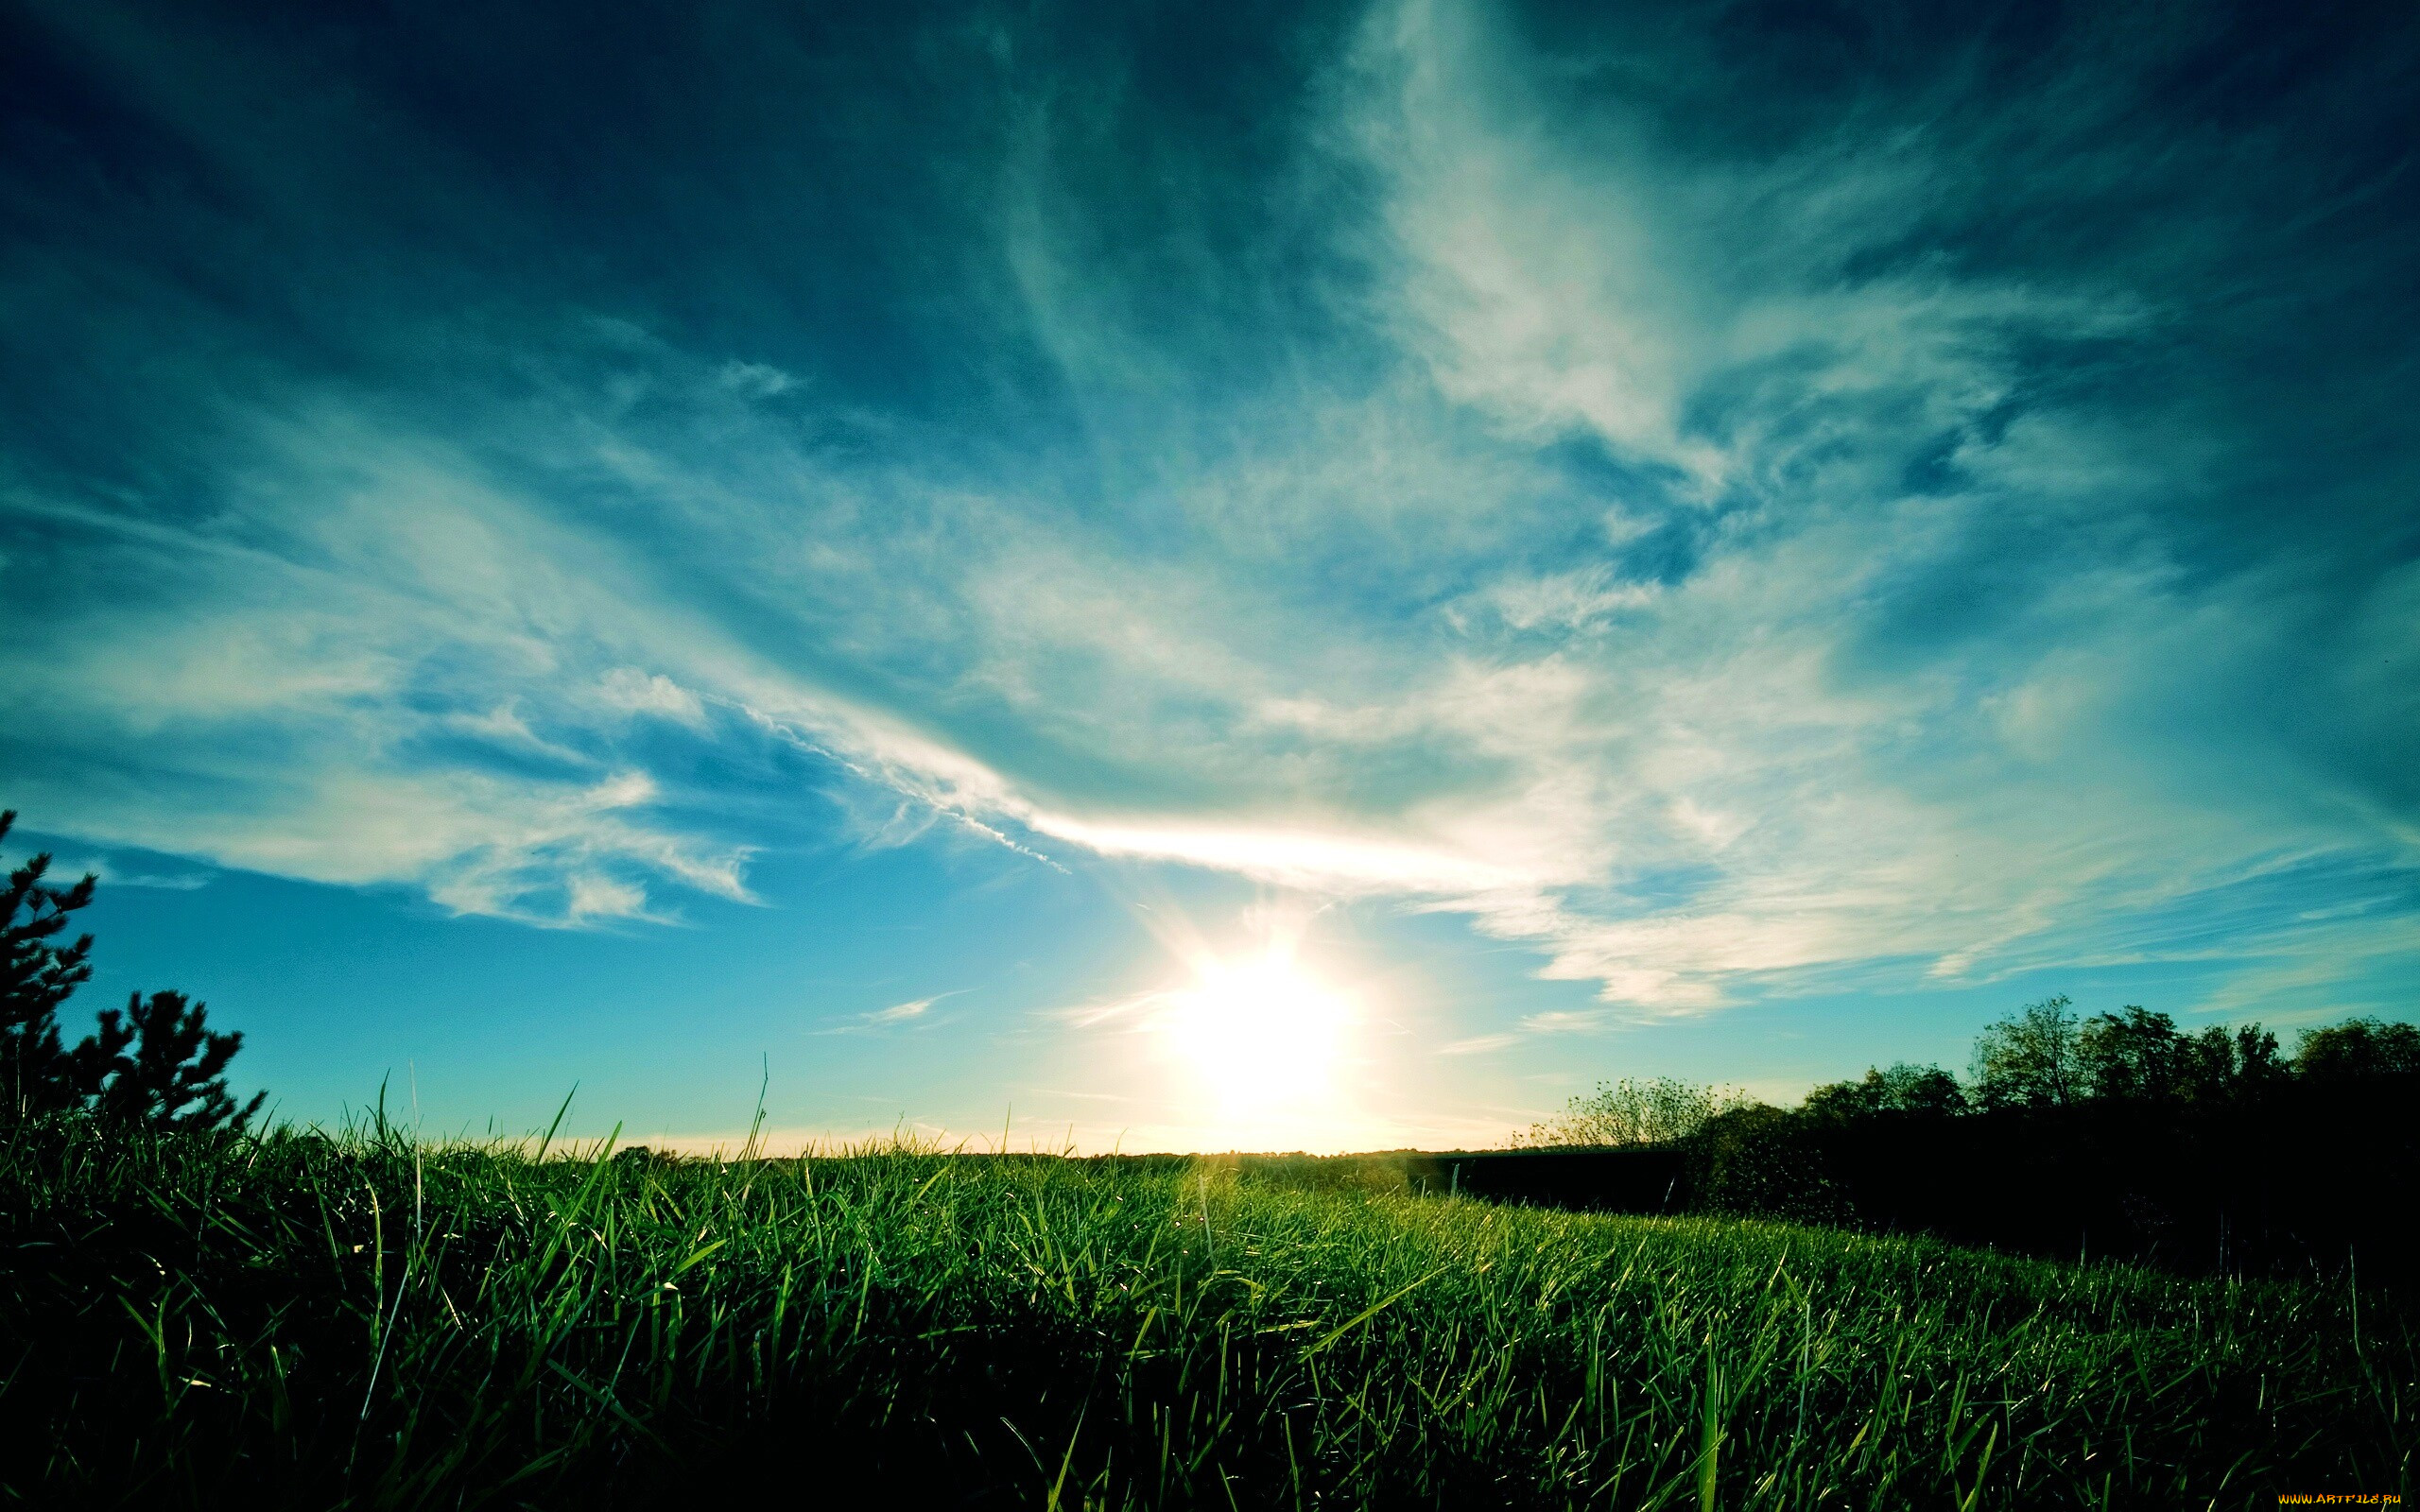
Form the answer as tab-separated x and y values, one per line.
1763	1161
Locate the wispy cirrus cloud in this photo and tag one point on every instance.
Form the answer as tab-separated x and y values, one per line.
910	1011
1722	562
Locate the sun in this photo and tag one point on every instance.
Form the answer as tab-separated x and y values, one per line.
1261	1036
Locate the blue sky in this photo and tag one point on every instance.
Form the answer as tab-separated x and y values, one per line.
682	546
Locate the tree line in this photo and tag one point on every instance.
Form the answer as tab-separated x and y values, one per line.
2044	1056
2110	1133
156	1062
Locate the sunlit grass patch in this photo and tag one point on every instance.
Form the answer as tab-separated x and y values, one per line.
307	1321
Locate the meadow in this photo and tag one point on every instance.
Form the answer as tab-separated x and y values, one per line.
360	1320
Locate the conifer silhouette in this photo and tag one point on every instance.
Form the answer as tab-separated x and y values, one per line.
175	1077
37	975
157	1063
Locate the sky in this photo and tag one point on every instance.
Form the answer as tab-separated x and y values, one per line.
1195	576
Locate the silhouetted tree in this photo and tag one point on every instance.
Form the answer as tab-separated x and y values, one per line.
1923	1090
2357	1049
2028	1060
2259	1068
2134	1056
37	975
158	1063
174	1077
1657	1110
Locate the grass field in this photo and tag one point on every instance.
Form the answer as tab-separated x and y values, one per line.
301	1321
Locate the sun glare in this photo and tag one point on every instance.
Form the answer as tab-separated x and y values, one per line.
1262	1037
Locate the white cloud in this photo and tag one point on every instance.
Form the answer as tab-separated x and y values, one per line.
1563	1022
1477	1044
756	380
66	870
1577	600
910	1011
652	693
1724	716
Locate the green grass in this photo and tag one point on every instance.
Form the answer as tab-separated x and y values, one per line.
311	1322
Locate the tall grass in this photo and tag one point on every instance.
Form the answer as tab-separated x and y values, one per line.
301	1321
